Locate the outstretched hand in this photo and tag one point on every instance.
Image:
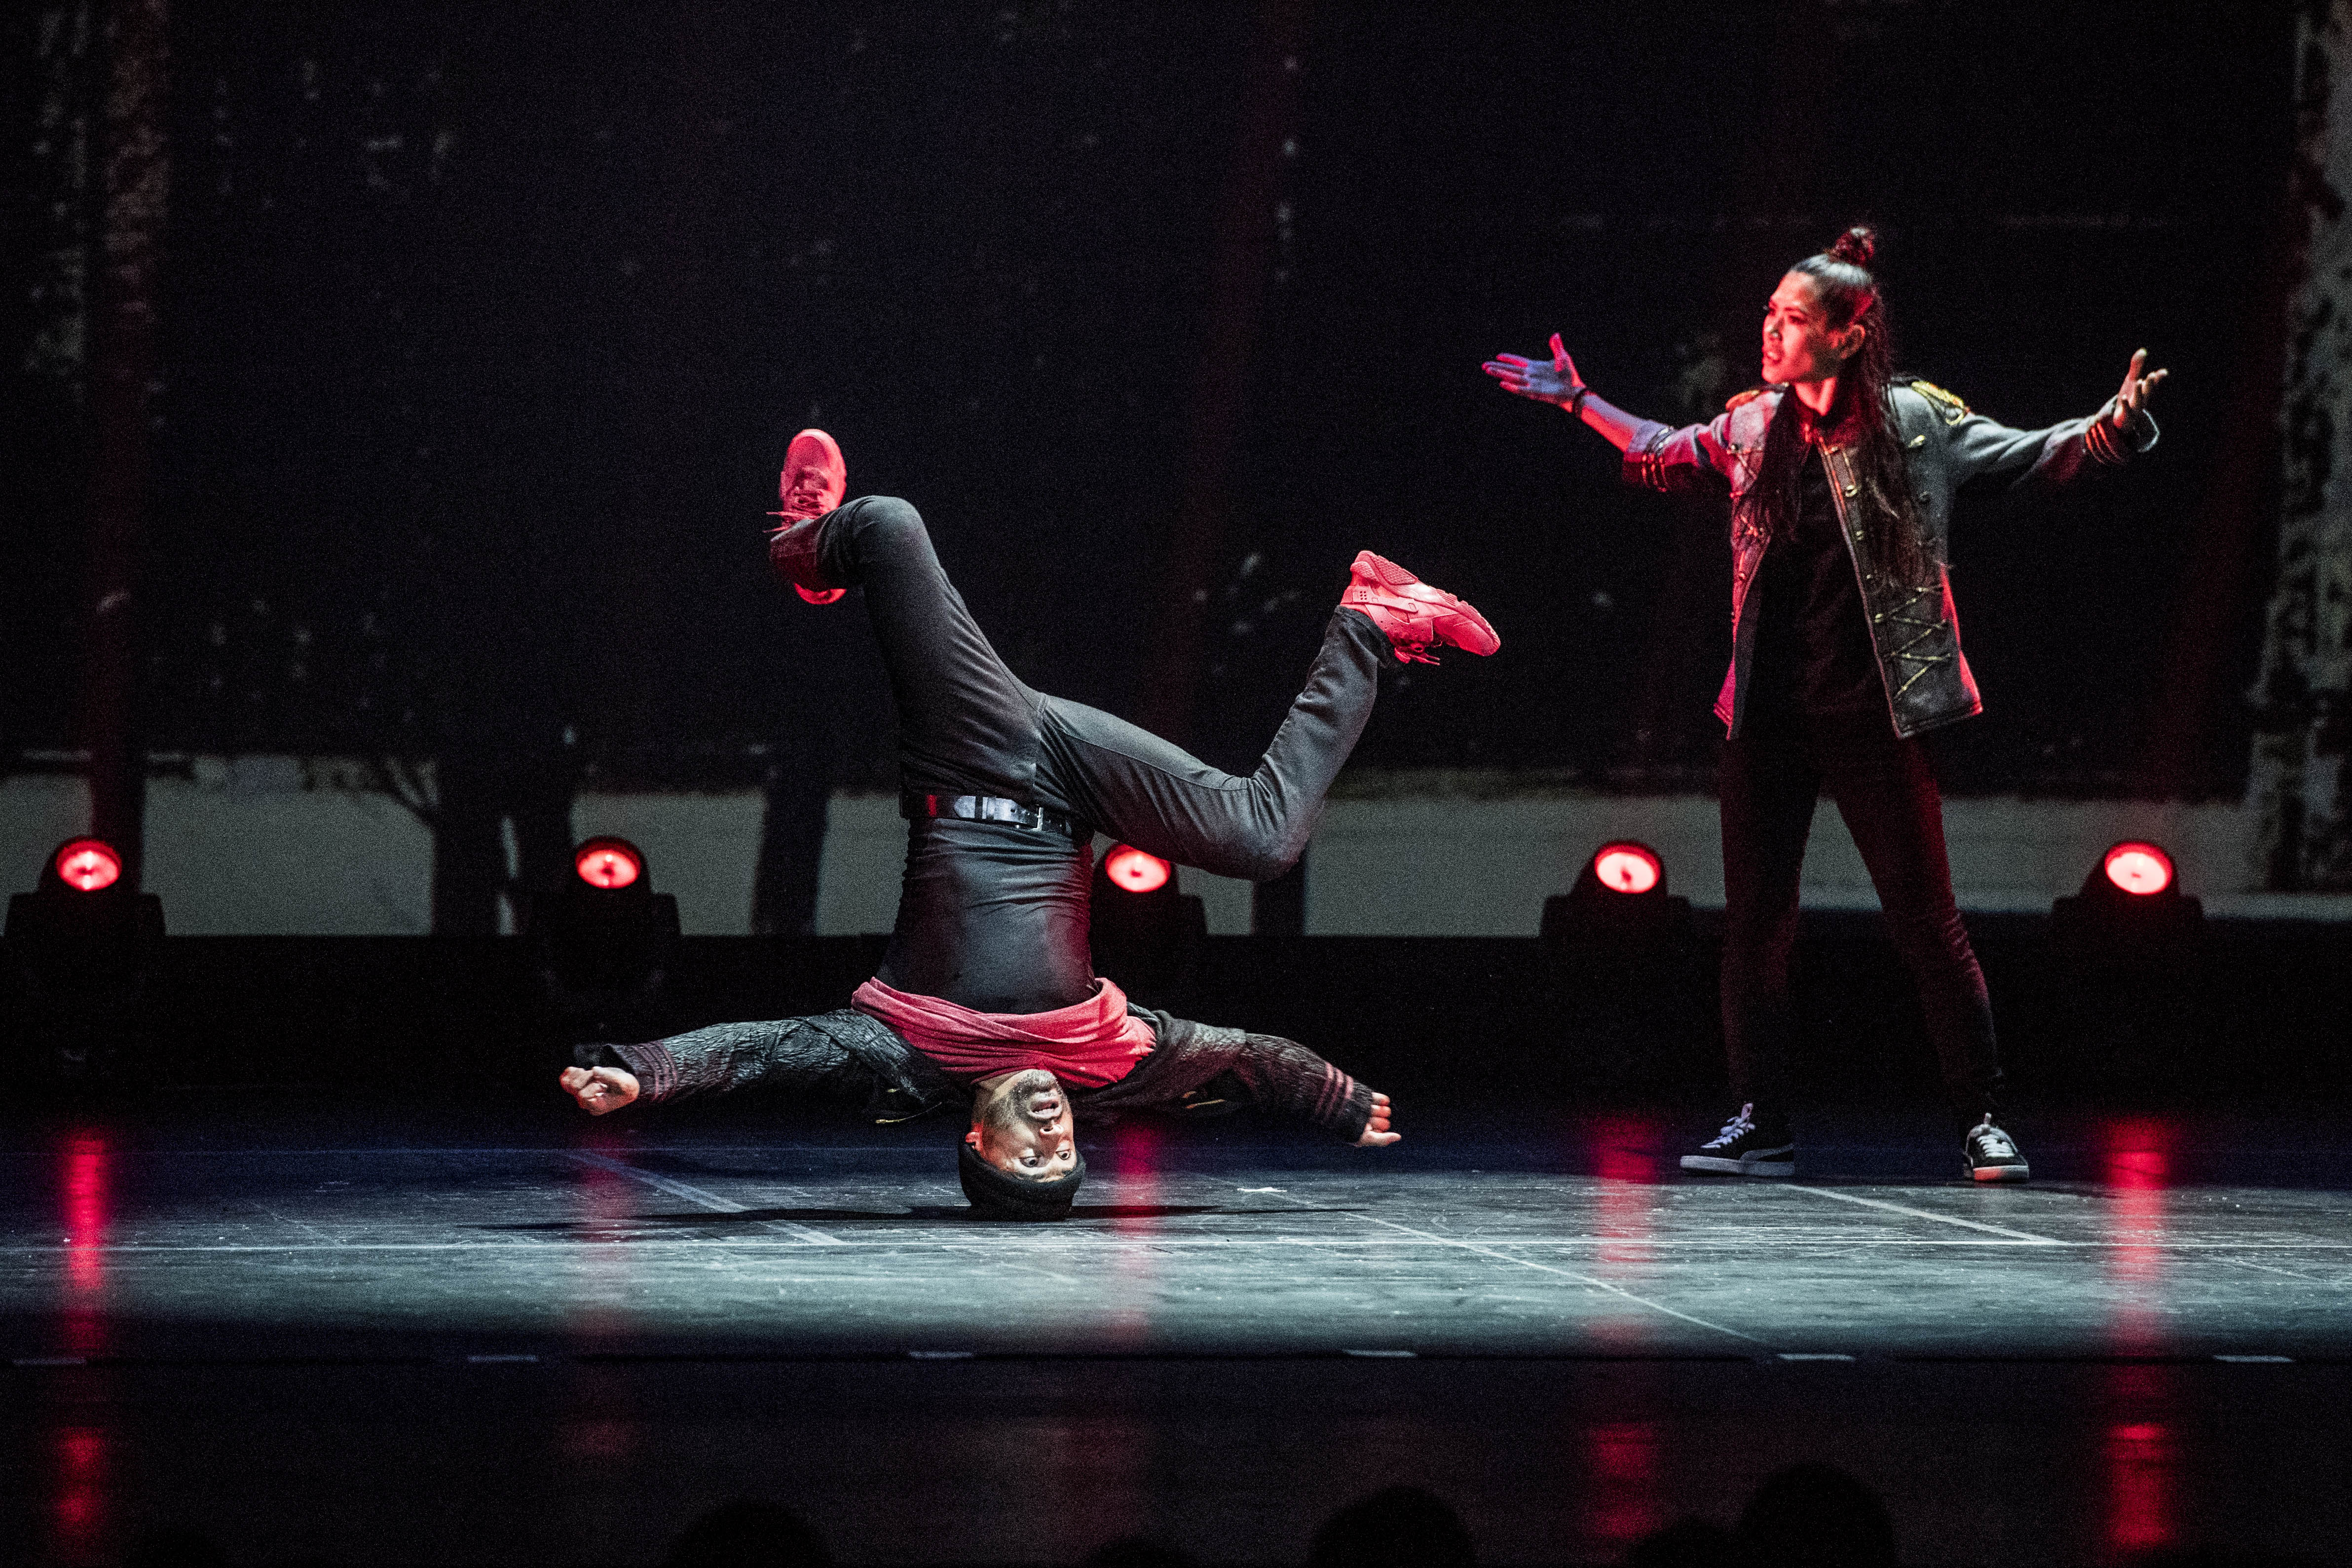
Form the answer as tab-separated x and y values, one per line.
599	1090
2134	394
1553	382
1376	1133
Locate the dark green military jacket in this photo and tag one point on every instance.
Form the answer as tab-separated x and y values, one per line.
1912	626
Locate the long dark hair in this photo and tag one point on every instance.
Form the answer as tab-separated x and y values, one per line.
1850	296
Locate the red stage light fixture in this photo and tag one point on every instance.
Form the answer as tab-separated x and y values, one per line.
602	942
1142	929
1619	896
88	865
608	863
2133	974
1137	871
2138	868
1623	991
1627	868
82	948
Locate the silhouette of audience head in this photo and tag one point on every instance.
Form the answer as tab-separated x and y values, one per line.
746	1534
1817	1516
1687	1543
1403	1527
1136	1552
174	1546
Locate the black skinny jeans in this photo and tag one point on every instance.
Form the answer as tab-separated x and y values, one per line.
1884	788
992	916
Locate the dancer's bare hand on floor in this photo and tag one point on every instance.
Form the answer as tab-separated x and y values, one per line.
2133	396
1376	1132
1553	382
599	1090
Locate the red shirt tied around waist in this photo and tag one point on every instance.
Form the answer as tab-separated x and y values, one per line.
1085	1045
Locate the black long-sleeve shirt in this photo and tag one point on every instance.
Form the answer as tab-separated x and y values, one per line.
1813	653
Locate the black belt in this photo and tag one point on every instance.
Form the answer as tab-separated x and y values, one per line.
991	808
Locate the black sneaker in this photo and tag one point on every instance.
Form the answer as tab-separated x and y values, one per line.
1745	1149
1989	1155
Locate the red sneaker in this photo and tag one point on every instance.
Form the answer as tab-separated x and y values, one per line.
1416	616
815	480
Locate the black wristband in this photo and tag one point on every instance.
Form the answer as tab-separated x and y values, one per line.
1575	404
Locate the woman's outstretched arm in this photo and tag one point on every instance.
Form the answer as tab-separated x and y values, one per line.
1693	459
1556	380
2122	429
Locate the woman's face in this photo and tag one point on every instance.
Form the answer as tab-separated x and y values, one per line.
1799	345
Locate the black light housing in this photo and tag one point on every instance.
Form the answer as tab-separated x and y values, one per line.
602	943
1623	984
83	949
2130	906
1145	930
2129	956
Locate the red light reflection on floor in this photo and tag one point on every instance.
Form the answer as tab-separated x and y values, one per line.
1625	1158
84	1217
1134	1158
2137	1168
2141	1461
596	1432
1621	1461
78	1496
606	1264
2139	1455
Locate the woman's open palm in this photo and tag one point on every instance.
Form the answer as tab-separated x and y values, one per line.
1555	381
2133	396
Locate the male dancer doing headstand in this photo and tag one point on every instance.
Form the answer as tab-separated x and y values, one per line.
987	989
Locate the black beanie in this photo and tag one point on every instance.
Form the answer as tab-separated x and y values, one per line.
995	1195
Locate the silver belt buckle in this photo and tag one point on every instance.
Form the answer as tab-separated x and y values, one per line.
994	809
987	808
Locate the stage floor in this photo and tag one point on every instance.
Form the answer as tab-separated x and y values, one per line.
426	1335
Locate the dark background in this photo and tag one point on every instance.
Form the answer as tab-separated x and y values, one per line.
484	329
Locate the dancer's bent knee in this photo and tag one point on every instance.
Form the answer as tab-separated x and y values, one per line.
1261	854
871	529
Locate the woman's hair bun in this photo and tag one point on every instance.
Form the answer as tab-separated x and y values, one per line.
1856	247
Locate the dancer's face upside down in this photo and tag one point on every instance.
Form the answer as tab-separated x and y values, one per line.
1021	1124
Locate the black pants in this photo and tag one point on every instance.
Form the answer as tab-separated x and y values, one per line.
992	916
1772	776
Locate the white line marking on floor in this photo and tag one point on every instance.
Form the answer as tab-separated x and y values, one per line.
266	1153
696	1195
623	1234
1563	1273
1927	1213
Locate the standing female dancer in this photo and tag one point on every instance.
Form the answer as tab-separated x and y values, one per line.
1844	650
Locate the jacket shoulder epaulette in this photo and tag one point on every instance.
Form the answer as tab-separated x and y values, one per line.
1738	399
1947	403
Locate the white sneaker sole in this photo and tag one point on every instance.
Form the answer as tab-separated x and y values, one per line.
2001	1173
1712	1166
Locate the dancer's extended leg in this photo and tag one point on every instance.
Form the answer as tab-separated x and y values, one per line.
966	726
1159	797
